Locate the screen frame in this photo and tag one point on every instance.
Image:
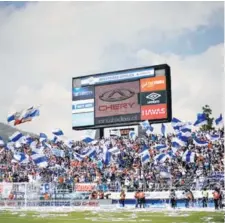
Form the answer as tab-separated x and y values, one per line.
168	89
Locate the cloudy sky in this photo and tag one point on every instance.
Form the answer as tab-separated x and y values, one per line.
43	45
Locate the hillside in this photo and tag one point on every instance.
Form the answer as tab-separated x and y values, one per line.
7	130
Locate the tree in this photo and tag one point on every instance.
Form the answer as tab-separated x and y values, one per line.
208	112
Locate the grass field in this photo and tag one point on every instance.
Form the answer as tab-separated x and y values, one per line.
109	216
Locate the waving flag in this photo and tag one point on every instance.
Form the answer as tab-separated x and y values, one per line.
114	150
219	120
2	143
11	118
25	115
188	157
43	137
40	160
161	158
58	152
90	153
106	156
163	129
78	156
88	140
185	130
212	138
21	158
198	142
16	136
182	140
161	147
201	120
149	130
145	157
145	124
57	132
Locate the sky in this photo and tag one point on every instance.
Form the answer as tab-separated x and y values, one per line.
44	44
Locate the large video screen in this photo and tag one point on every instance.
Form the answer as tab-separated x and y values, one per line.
122	98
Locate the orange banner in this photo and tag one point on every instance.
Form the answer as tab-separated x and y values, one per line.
151	112
153	84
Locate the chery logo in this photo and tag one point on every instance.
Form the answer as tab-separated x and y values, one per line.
117	95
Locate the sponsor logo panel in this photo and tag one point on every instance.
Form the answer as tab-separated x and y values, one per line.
126	75
150	112
83	106
117	119
83	119
83	93
117	99
153	84
153	98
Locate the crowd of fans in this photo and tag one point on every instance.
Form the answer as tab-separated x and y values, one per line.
125	171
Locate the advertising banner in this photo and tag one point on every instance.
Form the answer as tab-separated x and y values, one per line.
153	98
85	187
118	76
151	112
117	119
83	93
153	84
82	106
117	99
83	119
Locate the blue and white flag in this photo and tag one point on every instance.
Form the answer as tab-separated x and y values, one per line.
145	124
90	153
21	158
43	137
58	152
149	130
132	135
106	156
219	120
11	118
16	136
176	122
213	138
78	156
161	158
163	129
182	140
198	142
2	143
114	150
176	143
186	130
57	132
10	146
160	147
188	157
88	140
40	160
201	120
145	157
36	149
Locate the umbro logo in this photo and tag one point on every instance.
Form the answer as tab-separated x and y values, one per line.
153	96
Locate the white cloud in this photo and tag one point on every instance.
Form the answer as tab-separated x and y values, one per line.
44	45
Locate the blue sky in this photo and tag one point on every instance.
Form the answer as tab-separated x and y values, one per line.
44	45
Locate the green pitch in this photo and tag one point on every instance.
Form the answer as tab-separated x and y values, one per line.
108	216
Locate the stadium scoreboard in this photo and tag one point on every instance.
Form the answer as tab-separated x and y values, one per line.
119	98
